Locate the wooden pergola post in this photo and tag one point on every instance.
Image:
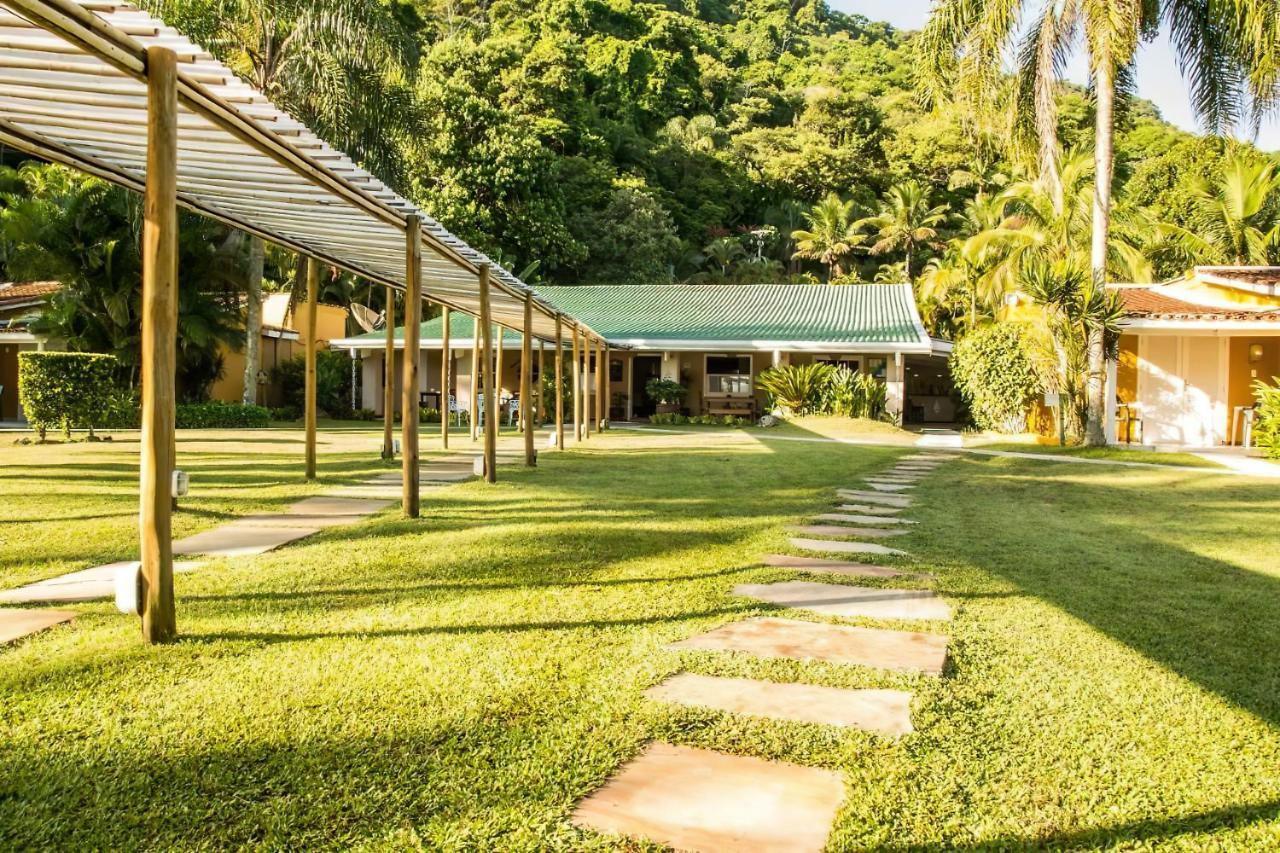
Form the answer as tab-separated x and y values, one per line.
490	409
389	379
526	383
409	405
499	337
587	402
559	383
608	385
446	374
601	407
577	388
309	358
473	406
159	347
542	383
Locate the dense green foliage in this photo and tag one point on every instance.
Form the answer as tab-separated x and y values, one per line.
1266	429
333	383
796	389
665	392
997	374
66	389
215	414
853	395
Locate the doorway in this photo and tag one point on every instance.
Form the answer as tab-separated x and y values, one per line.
643	368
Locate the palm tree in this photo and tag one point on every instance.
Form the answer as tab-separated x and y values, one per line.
962	281
831	237
1227	50
905	222
722	252
1234	220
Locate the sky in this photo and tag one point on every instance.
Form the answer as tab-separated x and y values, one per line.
1159	80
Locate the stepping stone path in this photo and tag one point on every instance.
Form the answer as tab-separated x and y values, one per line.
883	511
16	623
885	486
696	799
240	539
845	518
857	601
771	637
879	498
887	712
835	567
837	546
846	530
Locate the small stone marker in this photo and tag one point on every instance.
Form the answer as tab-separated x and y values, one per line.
844	518
837	546
238	539
771	637
900	501
870	510
846	530
856	601
696	799
16	623
886	712
835	567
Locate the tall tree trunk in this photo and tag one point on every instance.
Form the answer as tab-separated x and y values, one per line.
1104	150
253	320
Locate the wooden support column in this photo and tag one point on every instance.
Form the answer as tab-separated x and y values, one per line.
490	406
409	406
389	379
473	407
309	358
608	387
499	336
446	375
526	383
559	389
601	407
586	387
577	388
541	417
159	347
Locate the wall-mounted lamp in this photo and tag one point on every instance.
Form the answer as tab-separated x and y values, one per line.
1255	353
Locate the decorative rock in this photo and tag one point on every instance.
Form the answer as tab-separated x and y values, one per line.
696	799
852	601
842	518
835	567
836	546
768	637
17	623
886	712
839	530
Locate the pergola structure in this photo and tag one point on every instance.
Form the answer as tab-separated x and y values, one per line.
111	90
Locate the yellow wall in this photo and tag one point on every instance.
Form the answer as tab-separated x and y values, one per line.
1127	369
1243	372
331	322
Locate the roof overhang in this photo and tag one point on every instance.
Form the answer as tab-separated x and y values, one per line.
1192	326
932	347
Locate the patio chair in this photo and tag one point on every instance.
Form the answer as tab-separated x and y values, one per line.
455	410
513	410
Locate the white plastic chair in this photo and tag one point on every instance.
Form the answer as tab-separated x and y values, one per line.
455	410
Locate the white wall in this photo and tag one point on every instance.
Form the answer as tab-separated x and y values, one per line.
1182	389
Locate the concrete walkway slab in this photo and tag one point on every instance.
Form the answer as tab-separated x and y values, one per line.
886	712
868	509
818	565
238	539
447	475
844	530
84	585
846	518
369	491
771	637
319	512
16	623
884	486
837	546
899	501
851	601
696	799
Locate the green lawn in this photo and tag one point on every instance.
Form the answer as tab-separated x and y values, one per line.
1112	454
460	681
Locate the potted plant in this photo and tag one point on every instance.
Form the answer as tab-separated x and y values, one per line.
666	393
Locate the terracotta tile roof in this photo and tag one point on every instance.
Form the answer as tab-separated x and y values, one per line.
1150	303
1258	276
26	291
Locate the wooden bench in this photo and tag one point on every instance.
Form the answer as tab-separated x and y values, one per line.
740	407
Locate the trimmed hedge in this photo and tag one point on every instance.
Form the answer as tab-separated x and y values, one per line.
216	414
996	373
67	389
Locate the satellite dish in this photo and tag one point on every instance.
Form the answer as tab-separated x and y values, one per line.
368	319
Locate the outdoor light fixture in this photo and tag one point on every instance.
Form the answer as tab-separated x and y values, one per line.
1255	353
181	484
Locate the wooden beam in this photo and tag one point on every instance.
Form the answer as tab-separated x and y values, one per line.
446	374
473	407
159	348
577	388
409	406
490	409
526	384
559	389
309	358
389	379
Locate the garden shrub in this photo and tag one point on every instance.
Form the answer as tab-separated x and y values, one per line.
333	383
216	414
996	373
852	395
1266	425
67	389
797	388
666	392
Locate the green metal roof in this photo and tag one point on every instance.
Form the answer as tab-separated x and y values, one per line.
703	316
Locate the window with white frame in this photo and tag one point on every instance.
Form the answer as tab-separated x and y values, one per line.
728	375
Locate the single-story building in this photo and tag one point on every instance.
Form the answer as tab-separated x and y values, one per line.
1189	354
20	304
713	339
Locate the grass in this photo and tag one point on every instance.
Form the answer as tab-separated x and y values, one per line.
460	681
1112	454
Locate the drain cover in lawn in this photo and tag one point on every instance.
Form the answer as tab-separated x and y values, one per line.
884	711
696	799
16	623
839	600
835	567
846	530
771	637
837	546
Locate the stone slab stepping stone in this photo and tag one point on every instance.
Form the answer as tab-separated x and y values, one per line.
869	510
846	531
883	486
16	623
696	799
887	712
900	501
771	637
319	512
931	457
839	546
84	585
838	600
369	491
845	518
447	475
238	540
835	567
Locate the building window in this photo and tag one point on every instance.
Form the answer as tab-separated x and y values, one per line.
729	375
854	364
878	367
